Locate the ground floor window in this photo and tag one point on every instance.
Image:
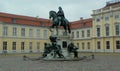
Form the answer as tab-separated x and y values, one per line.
22	45
117	44
38	46
88	44
107	44
83	46
78	45
4	47
14	45
30	46
98	45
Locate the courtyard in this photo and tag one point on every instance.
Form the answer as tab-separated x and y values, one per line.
102	62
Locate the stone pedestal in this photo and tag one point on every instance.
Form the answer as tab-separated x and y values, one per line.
63	41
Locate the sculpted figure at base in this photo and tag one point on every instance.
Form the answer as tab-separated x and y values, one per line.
73	49
54	49
47	49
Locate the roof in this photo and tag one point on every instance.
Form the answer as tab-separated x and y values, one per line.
112	3
24	20
34	21
81	23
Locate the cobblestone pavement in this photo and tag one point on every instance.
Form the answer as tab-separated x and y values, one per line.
100	63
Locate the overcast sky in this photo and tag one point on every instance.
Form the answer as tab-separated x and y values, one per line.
73	9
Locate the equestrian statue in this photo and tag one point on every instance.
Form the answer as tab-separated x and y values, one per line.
58	20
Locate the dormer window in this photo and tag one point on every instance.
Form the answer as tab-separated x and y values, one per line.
83	24
42	23
14	20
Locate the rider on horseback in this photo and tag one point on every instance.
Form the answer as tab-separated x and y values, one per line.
60	15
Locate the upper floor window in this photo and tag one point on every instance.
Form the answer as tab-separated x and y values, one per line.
83	34
106	18
98	20
45	34
38	33
22	31
107	30
88	33
72	34
5	30
117	29
31	32
14	31
77	34
116	17
98	31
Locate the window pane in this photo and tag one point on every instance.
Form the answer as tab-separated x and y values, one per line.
107	30
38	45
14	45
31	32
117	44
77	33
82	45
30	46
107	44
23	32
45	34
106	18
98	45
82	33
116	16
5	31
22	45
98	32
88	45
117	29
14	31
38	32
97	20
4	47
72	34
88	33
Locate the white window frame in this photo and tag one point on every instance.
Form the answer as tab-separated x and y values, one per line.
14	31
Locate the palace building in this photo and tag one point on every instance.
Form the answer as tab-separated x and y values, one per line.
106	28
24	34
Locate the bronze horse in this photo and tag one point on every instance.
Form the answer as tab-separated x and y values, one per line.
57	23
